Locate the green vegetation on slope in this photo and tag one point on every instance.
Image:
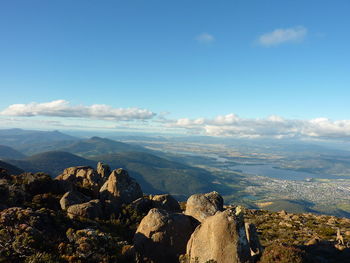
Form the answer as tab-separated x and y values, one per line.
156	174
291	206
10	168
53	162
31	142
7	152
98	146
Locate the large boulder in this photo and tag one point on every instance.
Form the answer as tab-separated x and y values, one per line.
166	202
121	188
72	198
200	206
221	238
162	236
92	209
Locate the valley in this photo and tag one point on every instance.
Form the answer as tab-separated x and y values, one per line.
272	175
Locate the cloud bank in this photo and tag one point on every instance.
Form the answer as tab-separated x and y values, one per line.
62	108
281	36
271	127
60	113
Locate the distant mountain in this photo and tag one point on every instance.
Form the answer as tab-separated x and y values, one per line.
11	169
53	162
30	135
32	142
156	174
99	146
7	152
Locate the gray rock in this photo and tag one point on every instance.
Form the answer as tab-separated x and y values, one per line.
162	236
166	202
84	176
121	188
200	206
91	210
72	198
221	238
103	169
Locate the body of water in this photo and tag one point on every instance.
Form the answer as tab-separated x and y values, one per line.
269	170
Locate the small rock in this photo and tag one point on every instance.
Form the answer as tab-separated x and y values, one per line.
166	202
285	224
332	221
282	213
91	210
72	198
313	241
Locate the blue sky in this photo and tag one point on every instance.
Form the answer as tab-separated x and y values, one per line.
189	59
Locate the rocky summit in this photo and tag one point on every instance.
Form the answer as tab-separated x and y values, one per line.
102	215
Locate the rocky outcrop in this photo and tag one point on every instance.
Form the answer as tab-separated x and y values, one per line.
162	236
166	202
91	210
33	227
221	238
72	198
200	206
83	176
103	170
120	188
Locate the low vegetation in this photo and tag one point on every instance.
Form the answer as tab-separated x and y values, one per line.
34	228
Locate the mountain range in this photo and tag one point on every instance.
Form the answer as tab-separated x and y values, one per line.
155	173
162	171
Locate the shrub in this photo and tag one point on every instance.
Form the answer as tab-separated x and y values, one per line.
326	231
279	253
42	257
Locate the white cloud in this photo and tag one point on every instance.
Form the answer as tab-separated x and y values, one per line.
205	38
273	127
280	36
62	108
231	125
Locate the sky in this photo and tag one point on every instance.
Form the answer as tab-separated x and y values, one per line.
246	68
